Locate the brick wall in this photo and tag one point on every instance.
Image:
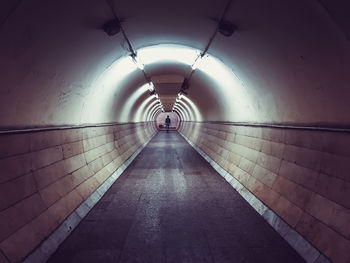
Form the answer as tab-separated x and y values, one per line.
302	175
46	175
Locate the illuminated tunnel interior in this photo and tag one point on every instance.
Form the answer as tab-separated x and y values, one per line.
260	89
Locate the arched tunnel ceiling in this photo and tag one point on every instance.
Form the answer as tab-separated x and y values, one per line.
167	87
289	60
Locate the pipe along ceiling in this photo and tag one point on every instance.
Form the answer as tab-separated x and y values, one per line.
284	63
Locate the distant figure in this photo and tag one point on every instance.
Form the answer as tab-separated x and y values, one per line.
167	123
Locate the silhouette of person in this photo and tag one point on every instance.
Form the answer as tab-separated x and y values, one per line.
167	123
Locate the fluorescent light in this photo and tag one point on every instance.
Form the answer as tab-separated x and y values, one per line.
196	62
137	62
172	53
151	86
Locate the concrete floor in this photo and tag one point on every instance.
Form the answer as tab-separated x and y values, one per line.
171	206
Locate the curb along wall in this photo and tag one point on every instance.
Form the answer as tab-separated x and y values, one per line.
302	175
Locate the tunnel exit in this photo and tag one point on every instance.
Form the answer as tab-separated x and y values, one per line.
174	121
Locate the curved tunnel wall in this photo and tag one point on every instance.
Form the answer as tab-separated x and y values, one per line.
302	175
278	72
303	185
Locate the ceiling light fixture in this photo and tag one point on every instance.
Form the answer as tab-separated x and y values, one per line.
226	28
153	92
194	66
151	86
112	27
137	61
197	62
185	85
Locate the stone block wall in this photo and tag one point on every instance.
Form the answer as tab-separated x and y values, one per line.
302	175
46	175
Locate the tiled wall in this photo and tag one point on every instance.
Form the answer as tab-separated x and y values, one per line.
47	175
302	175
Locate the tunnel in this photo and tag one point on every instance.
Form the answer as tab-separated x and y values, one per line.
255	166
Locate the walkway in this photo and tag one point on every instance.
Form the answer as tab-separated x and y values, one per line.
171	206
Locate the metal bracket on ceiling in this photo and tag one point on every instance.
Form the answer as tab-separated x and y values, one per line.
113	27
